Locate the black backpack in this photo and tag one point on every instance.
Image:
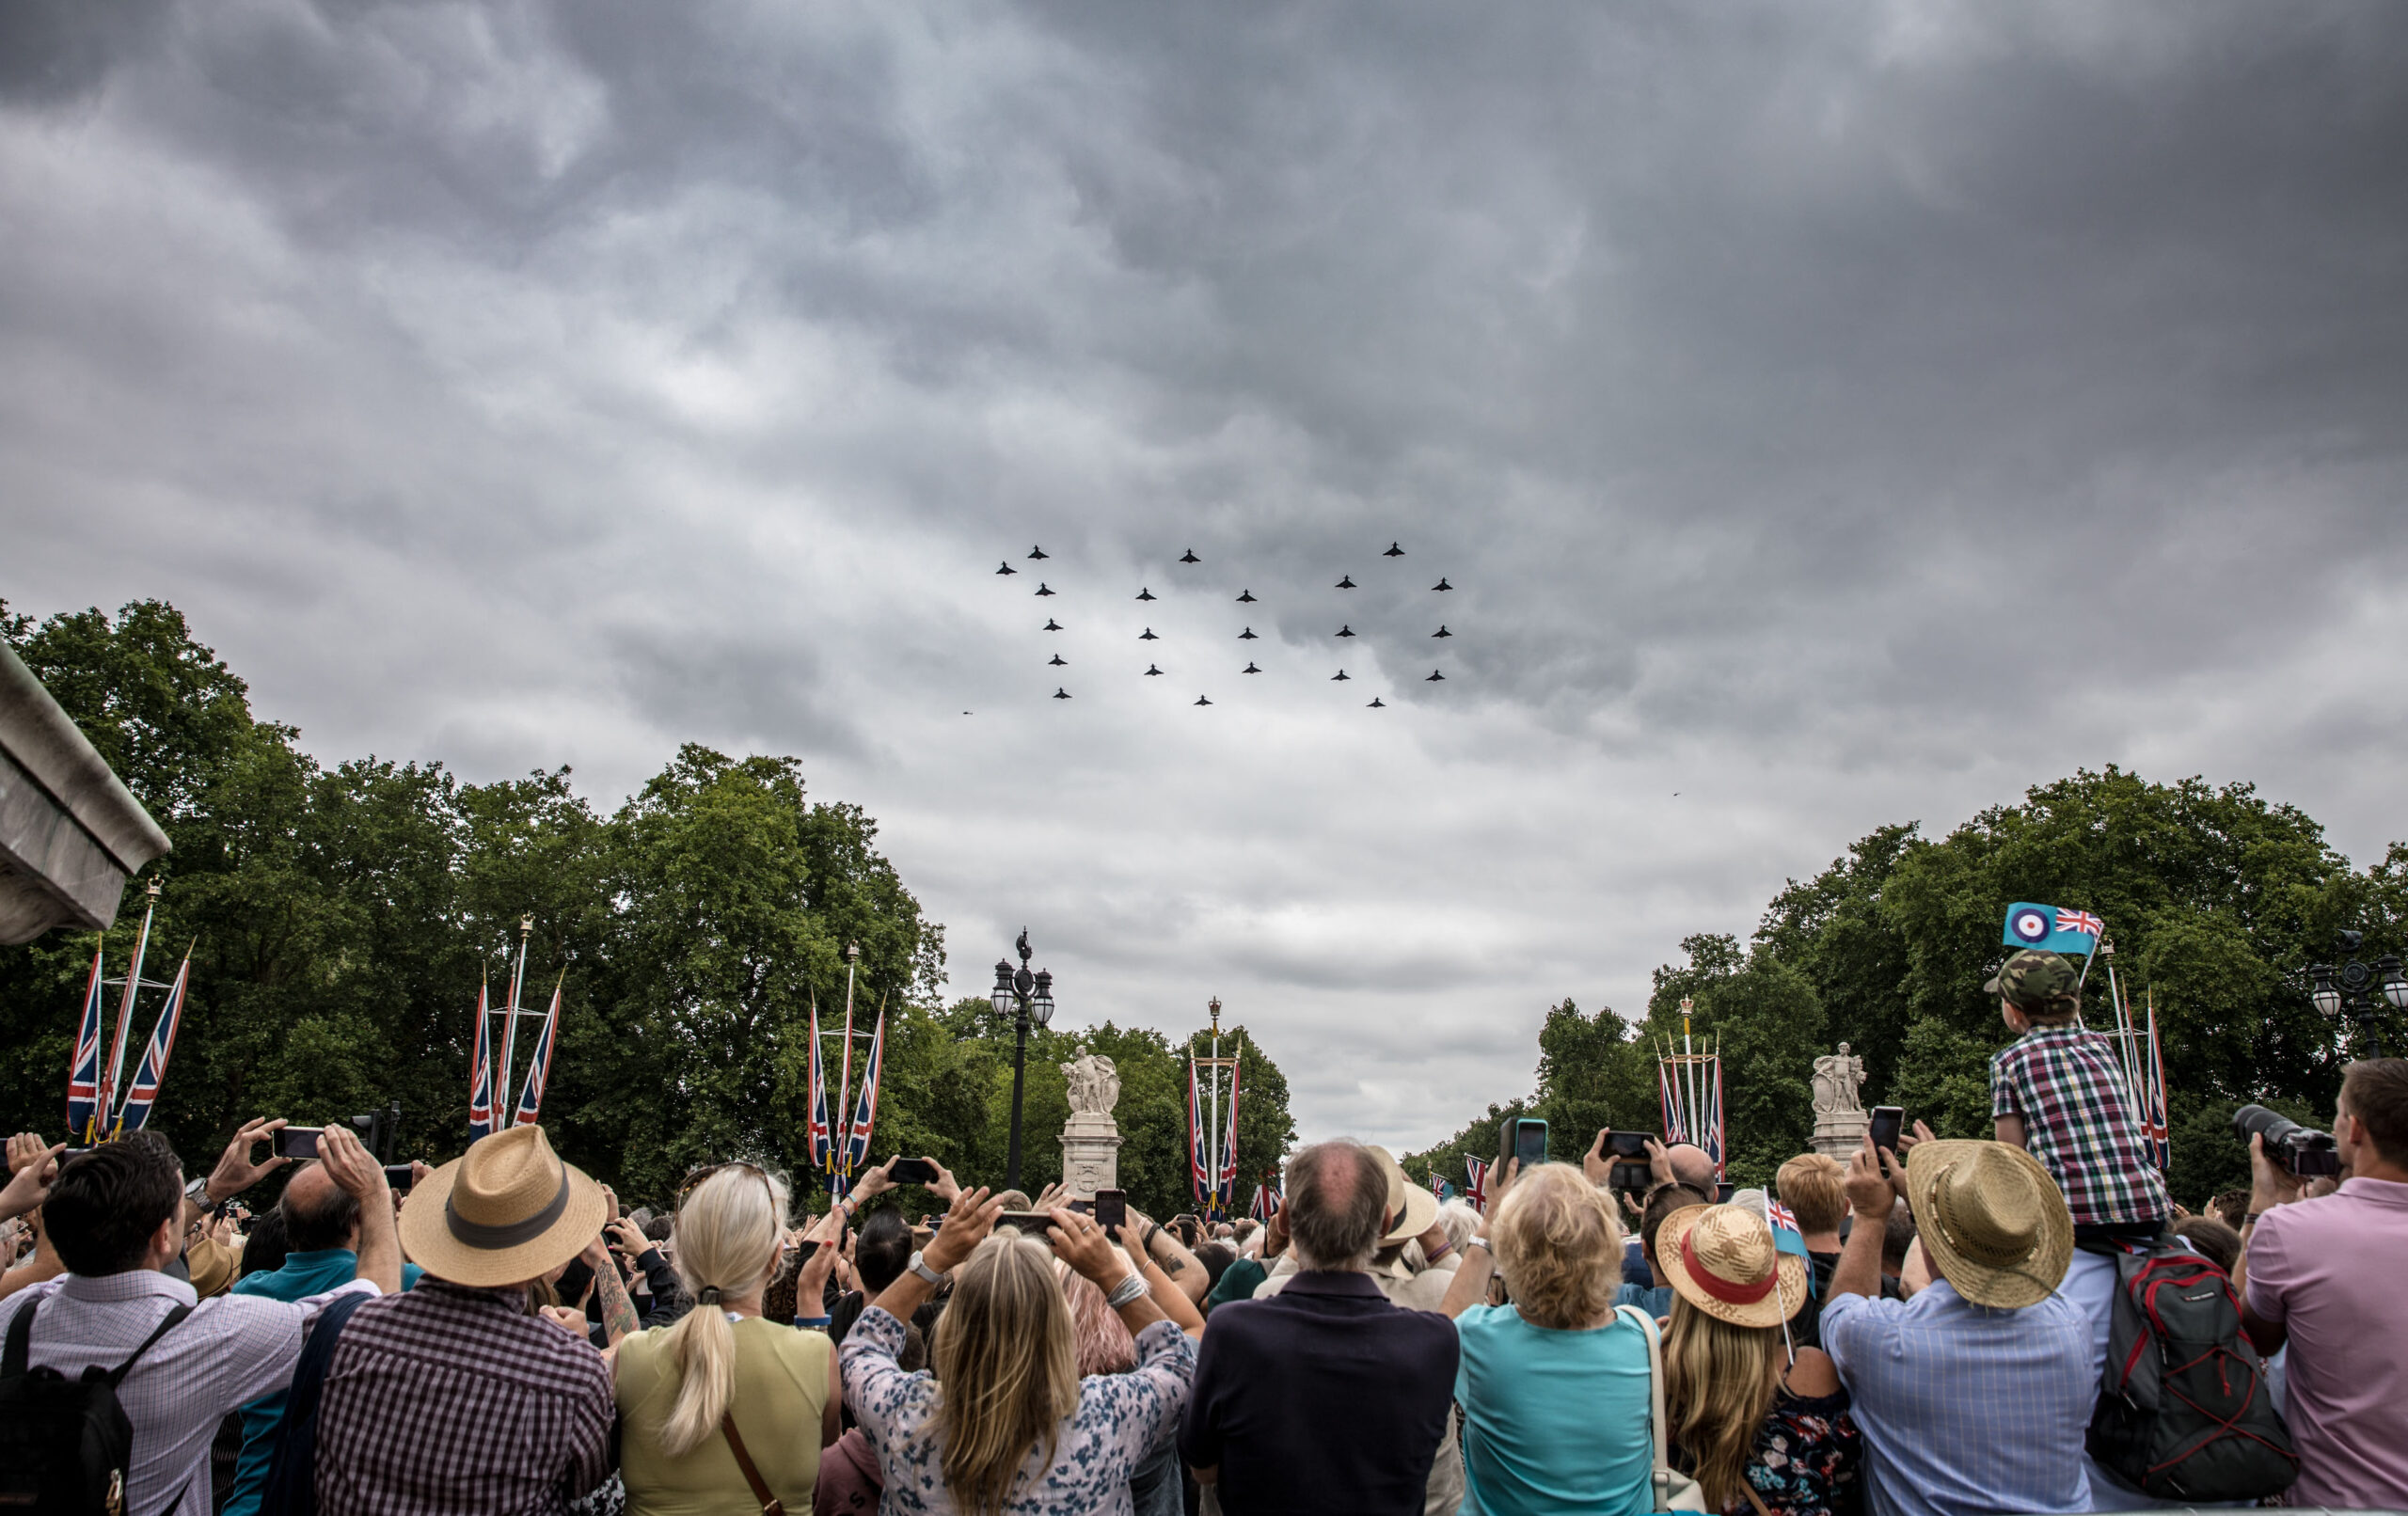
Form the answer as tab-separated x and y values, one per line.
2183	1411
65	1445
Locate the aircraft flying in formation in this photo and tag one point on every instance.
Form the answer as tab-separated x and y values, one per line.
1041	587
1058	661
1189	556
1151	670
1346	581
1246	597
1249	668
1201	701
1007	569
1039	552
1442	631
1144	594
1434	677
1375	704
1346	631
1247	636
1059	693
1442	583
1394	551
1340	674
1147	636
1053	625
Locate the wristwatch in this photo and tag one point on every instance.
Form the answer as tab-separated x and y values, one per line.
197	1192
1482	1243
924	1270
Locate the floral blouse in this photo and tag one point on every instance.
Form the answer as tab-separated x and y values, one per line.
1122	1420
1810	1459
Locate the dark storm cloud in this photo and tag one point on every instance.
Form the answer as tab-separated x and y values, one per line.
1835	413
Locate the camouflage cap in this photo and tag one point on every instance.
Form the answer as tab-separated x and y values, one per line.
2035	980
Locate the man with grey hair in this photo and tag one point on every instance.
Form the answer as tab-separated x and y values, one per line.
1326	1395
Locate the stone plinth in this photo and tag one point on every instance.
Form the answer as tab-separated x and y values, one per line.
1840	1133
1090	1153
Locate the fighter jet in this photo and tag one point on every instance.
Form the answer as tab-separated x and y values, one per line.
1151	670
1041	587
1246	597
1442	583
1189	556
1007	569
1340	674
1201	701
1346	581
1059	693
1039	552
1147	636
1434	677
1053	625
1247	636
1394	551
1442	631
1375	704
1249	668
1057	661
1346	631
1144	594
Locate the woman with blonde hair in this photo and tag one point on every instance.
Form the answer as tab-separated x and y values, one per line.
728	1409
1763	1426
1553	1386
1006	1423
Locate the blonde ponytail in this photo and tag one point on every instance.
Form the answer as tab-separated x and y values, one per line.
726	1241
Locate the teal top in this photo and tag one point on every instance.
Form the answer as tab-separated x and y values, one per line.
304	1274
1554	1421
1238	1282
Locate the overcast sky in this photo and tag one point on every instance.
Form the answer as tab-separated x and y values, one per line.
1826	415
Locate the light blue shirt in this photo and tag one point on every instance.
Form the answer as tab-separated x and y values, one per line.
1966	1409
1553	1421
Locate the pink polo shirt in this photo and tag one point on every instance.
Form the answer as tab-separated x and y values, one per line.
2329	1271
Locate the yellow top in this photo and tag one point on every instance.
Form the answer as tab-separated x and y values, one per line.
781	1390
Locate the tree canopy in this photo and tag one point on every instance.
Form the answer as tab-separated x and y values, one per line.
341	918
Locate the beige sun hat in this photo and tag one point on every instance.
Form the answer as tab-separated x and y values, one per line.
1994	1222
505	1211
1721	1259
1414	1206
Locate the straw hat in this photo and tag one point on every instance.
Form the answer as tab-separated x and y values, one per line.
212	1265
1721	1259
505	1211
1994	1222
1414	1206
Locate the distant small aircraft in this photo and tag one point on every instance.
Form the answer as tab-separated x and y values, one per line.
1059	693
1201	701
1053	625
1375	704
1147	636
1346	631
1394	551
1057	661
1247	636
1340	674
1246	597
1007	569
1039	552
1442	583
1189	556
1434	677
1144	594
1249	668
1151	670
1346	581
1442	631
1041	587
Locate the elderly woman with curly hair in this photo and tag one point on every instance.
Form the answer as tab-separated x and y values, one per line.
1553	1386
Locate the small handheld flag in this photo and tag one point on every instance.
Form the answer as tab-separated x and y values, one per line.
1476	1189
2052	931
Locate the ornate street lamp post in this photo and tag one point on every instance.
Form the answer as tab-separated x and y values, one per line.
1022	997
2358	988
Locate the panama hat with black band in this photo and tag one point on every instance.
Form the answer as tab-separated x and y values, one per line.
506	1211
1412	1207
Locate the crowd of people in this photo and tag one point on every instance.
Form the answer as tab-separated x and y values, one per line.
1930	1338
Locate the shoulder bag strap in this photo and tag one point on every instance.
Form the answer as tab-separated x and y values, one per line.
117	1376
21	1334
769	1504
1655	1386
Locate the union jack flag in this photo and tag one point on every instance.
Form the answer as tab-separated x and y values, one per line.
1476	1190
1194	1137
143	1093
1267	1201
819	1139
1710	1133
1225	1190
539	1067
866	1102
2155	1125
84	1074
1676	1125
1782	1218
2079	920
480	1072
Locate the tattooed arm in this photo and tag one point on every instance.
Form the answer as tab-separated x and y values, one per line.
618	1312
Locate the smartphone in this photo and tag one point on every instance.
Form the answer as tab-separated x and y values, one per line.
1111	1210
1888	1121
1627	1145
398	1176
297	1142
1724	1191
1523	1138
912	1171
1625	1175
1034	1221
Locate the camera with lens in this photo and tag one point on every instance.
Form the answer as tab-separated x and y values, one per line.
2307	1153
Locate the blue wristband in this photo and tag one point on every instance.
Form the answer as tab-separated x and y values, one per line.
819	1324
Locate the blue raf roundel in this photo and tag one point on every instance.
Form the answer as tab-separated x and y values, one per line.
2031	927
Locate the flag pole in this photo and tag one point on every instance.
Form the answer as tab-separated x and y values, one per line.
840	1124
1213	1127
106	1117
505	1104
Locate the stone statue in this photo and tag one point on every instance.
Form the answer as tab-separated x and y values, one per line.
1095	1085
1837	1078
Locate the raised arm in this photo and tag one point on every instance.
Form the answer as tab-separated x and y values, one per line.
1873	1181
1469	1287
353	1168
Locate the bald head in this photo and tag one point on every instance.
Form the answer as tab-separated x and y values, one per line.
318	1212
1337	1205
1692	1166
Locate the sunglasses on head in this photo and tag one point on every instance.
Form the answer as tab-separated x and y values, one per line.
687	1185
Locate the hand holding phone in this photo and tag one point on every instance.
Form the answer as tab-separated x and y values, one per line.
1111	1210
300	1143
912	1171
1628	1144
1888	1121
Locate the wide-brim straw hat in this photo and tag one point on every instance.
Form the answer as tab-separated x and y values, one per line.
1414	1206
505	1211
1721	1259
1994	1222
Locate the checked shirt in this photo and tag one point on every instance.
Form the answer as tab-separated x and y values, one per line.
2065	1085
452	1402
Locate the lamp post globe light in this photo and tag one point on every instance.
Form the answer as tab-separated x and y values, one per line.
2357	988
1021	998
